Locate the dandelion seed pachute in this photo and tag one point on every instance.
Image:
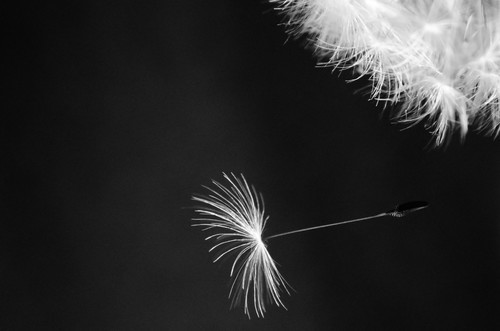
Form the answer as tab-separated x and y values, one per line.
237	213
439	58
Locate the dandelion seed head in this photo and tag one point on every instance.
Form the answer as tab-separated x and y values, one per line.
237	215
439	59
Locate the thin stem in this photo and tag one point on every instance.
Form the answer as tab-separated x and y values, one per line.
326	225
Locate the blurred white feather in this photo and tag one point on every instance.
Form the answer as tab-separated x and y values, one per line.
440	59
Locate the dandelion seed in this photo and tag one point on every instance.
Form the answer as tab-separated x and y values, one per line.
237	213
439	58
406	208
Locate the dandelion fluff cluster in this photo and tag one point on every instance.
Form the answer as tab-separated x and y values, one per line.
439	59
237	214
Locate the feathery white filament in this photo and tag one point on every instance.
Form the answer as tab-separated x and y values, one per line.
238	213
440	58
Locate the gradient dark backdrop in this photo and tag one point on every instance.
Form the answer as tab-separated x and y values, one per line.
115	112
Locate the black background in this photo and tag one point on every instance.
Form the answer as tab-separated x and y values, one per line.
115	112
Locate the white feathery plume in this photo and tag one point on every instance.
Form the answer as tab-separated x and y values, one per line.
237	213
439	58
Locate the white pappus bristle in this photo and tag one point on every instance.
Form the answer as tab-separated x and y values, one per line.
237	213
